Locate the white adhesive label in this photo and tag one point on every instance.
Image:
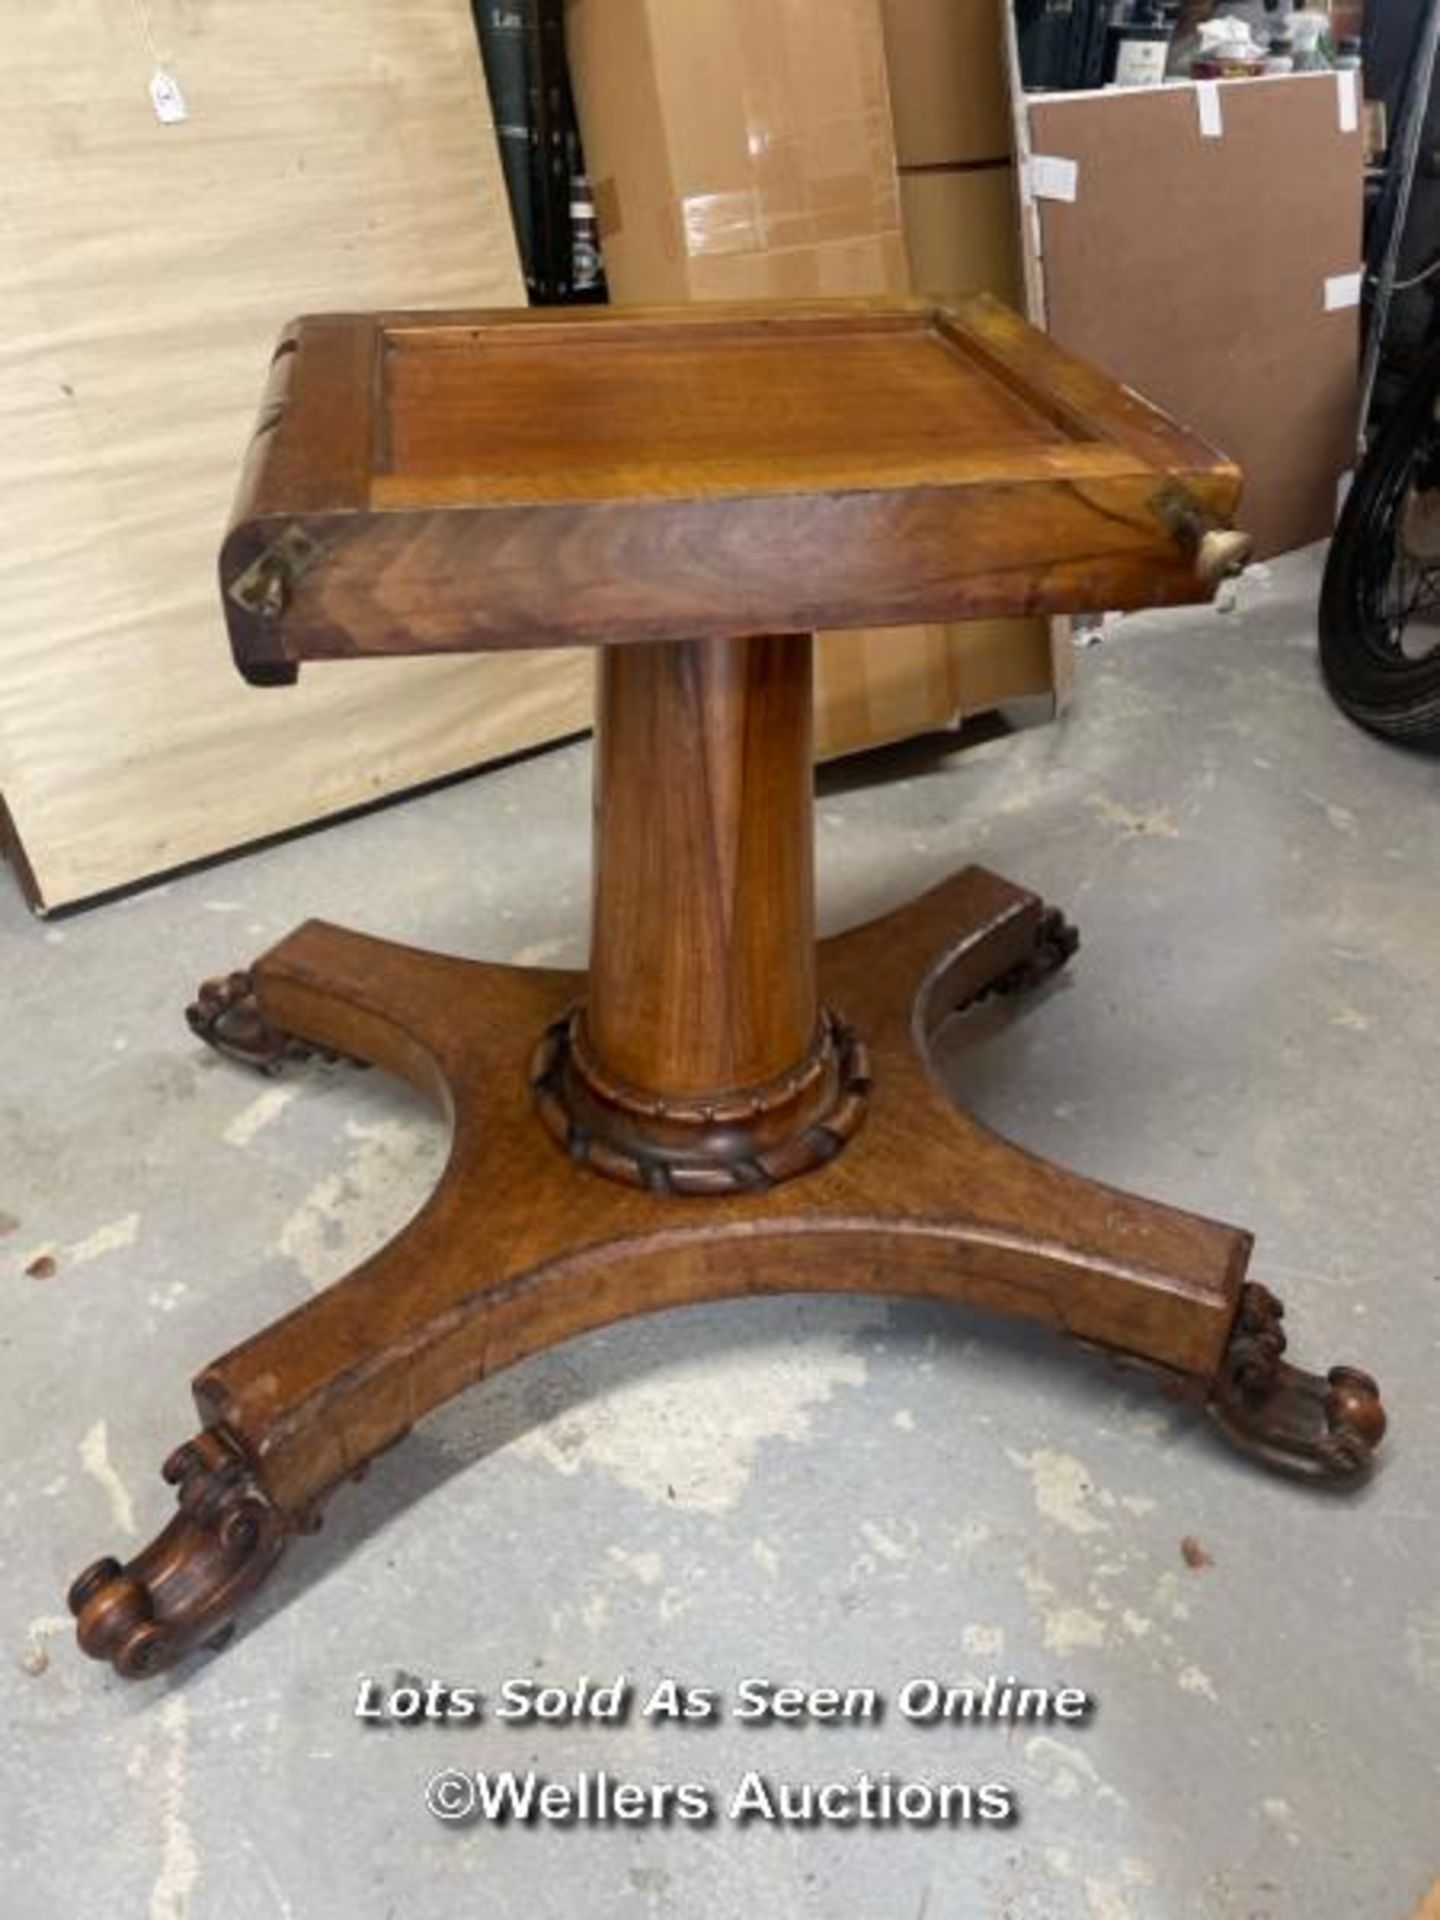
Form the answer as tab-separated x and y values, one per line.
1053	178
166	98
1207	105
1347	95
1342	290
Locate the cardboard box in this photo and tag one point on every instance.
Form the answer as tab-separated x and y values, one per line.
737	150
962	231
947	81
873	687
743	151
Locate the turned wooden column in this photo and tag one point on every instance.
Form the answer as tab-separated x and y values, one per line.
702	1059
702	958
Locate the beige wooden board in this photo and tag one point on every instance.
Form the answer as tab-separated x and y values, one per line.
336	155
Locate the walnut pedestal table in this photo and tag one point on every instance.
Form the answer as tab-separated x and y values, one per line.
719	1106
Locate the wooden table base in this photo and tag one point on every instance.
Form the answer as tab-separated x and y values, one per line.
521	1246
720	1105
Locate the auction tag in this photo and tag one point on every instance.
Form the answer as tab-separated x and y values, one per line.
166	98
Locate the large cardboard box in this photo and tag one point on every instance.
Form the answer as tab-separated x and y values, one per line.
947	81
743	152
737	151
962	231
962	235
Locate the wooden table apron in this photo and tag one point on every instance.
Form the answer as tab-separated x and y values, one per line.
720	1107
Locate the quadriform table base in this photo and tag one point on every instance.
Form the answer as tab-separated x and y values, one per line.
519	1248
719	1105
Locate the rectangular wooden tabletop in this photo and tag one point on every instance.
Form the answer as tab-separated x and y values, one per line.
454	481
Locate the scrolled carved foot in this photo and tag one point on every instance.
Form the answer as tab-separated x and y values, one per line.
1055	943
183	1590
226	1015
1326	1428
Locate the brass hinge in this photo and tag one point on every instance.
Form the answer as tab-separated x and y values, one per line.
264	587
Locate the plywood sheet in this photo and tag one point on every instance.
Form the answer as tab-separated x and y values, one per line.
336	155
1196	265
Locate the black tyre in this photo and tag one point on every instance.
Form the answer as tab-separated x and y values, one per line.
1380	602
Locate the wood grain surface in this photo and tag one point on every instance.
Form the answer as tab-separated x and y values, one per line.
486	481
335	154
702	956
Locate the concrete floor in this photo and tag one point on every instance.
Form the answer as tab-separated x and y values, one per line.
813	1491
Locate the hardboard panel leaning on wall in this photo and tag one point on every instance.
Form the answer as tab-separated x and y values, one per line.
1203	245
744	151
336	155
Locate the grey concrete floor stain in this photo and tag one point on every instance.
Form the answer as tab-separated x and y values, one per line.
813	1490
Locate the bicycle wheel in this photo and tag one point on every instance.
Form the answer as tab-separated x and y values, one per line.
1380	602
